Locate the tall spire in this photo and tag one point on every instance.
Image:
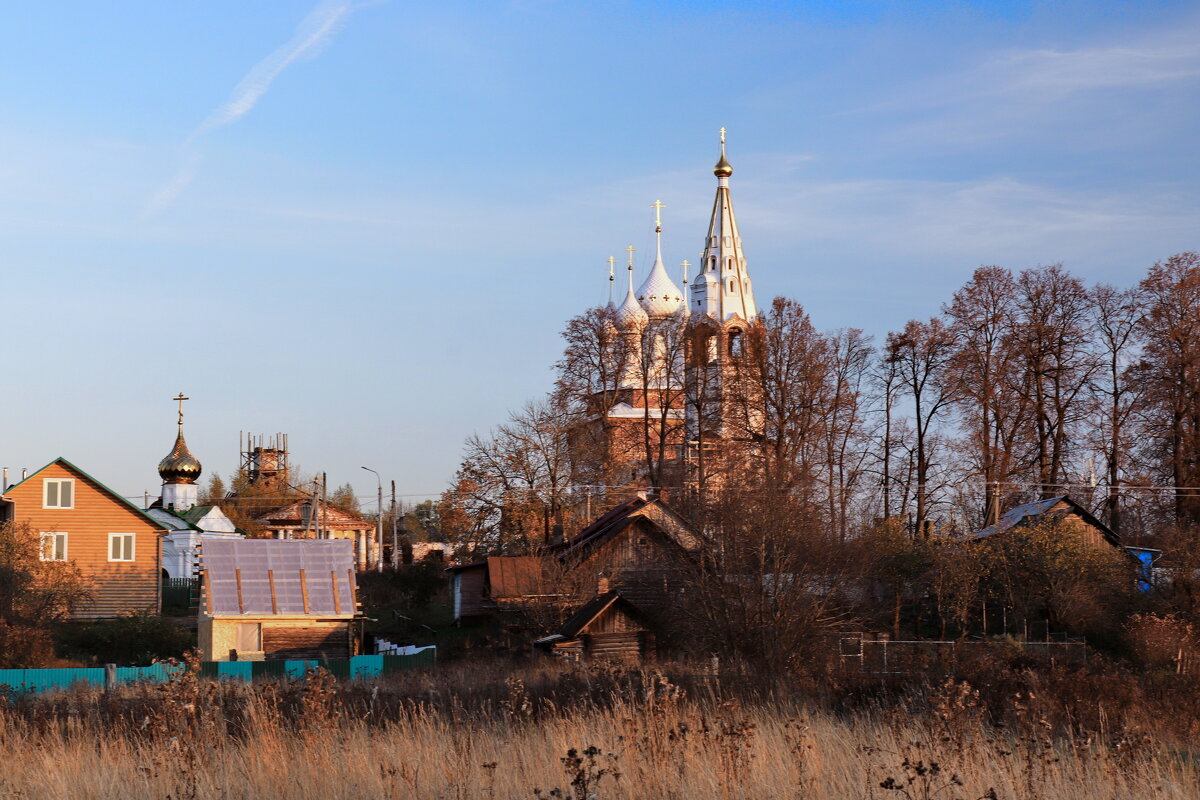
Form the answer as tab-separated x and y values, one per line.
659	294
722	287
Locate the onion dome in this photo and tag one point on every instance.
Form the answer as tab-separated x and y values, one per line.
631	316
723	168
608	326
180	466
659	294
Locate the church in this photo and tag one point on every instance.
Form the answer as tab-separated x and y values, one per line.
179	511
672	413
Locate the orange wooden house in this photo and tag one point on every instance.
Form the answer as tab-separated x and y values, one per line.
116	545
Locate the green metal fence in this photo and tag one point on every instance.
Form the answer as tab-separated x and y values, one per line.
179	595
357	668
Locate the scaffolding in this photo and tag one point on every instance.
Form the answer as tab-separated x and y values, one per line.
263	456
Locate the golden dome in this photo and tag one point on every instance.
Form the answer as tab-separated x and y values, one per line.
180	466
722	169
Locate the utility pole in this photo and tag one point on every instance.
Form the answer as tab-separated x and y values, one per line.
324	502
395	539
312	510
378	522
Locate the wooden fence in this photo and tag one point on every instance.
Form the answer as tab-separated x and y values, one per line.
897	657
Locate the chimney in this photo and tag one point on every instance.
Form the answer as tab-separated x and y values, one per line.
24	473
4	482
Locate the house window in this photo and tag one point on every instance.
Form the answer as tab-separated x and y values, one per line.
120	547
58	493
53	546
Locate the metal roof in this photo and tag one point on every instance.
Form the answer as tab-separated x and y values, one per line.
266	577
1023	514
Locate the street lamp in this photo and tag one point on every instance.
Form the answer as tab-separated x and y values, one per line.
378	524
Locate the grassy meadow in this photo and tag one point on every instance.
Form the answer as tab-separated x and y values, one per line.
460	733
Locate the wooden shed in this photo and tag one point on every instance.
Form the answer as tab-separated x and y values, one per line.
641	547
267	599
607	628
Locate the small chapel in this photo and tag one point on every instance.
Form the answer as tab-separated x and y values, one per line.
178	509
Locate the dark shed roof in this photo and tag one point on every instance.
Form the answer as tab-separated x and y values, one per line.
589	612
1046	509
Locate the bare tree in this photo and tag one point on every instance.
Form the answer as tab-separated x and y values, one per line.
850	356
1116	314
516	481
1054	337
920	354
985	372
1170	375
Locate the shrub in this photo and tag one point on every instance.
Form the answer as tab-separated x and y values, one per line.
25	647
133	640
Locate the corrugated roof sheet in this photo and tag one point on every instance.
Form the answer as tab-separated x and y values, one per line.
517	576
1024	514
278	576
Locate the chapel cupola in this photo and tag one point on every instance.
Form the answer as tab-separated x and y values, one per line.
631	317
658	294
179	471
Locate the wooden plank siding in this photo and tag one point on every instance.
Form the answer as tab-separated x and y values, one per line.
641	564
315	640
117	587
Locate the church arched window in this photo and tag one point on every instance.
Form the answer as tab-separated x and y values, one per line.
735	342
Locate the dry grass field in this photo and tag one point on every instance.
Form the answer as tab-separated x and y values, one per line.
637	735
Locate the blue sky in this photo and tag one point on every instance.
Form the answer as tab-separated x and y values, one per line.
364	224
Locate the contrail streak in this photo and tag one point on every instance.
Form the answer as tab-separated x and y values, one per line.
315	30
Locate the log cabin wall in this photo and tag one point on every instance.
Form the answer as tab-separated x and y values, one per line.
641	563
117	586
624	648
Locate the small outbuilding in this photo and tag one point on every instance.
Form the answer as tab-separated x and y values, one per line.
268	599
607	628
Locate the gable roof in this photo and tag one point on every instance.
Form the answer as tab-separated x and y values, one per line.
1045	509
128	504
329	515
616	519
589	612
188	520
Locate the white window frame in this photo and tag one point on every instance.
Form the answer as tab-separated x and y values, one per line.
46	482
132	547
52	536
